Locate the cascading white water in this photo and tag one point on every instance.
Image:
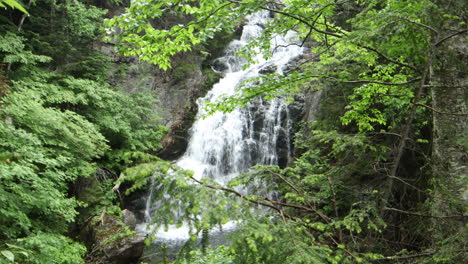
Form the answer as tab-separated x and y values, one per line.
223	145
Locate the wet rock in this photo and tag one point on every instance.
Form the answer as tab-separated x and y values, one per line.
269	69
283	148
112	239
296	108
219	66
126	250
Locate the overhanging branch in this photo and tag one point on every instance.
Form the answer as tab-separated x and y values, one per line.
440	112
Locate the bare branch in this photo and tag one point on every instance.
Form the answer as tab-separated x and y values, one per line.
406	183
395	258
460	217
440	112
450	36
385	133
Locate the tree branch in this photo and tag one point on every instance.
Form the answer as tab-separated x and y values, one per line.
460	217
440	112
406	129
388	58
219	188
417	23
384	83
450	36
426	254
300	19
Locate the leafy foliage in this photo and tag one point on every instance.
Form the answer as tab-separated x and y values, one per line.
59	126
379	55
13	4
218	255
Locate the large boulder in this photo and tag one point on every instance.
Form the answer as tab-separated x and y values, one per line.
113	239
126	250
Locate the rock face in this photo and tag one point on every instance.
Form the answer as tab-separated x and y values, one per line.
127	250
129	219
112	239
176	90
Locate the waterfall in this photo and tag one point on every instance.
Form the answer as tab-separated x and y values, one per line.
223	145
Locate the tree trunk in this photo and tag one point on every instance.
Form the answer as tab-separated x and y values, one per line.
450	140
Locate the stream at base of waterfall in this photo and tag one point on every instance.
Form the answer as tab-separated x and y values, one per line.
221	146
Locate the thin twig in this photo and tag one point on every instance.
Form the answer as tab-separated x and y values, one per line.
384	83
335	206
405	182
406	129
417	23
460	217
388	58
300	19
426	254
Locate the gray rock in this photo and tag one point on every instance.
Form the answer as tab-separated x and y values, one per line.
129	219
269	69
126	250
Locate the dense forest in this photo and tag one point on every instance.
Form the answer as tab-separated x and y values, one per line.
378	173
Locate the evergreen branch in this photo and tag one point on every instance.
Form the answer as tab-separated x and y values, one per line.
296	189
440	112
238	194
271	201
335	206
305	208
461	217
344	248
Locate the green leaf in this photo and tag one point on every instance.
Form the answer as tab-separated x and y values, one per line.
8	255
15	5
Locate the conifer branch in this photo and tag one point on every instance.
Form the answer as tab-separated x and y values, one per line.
238	194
